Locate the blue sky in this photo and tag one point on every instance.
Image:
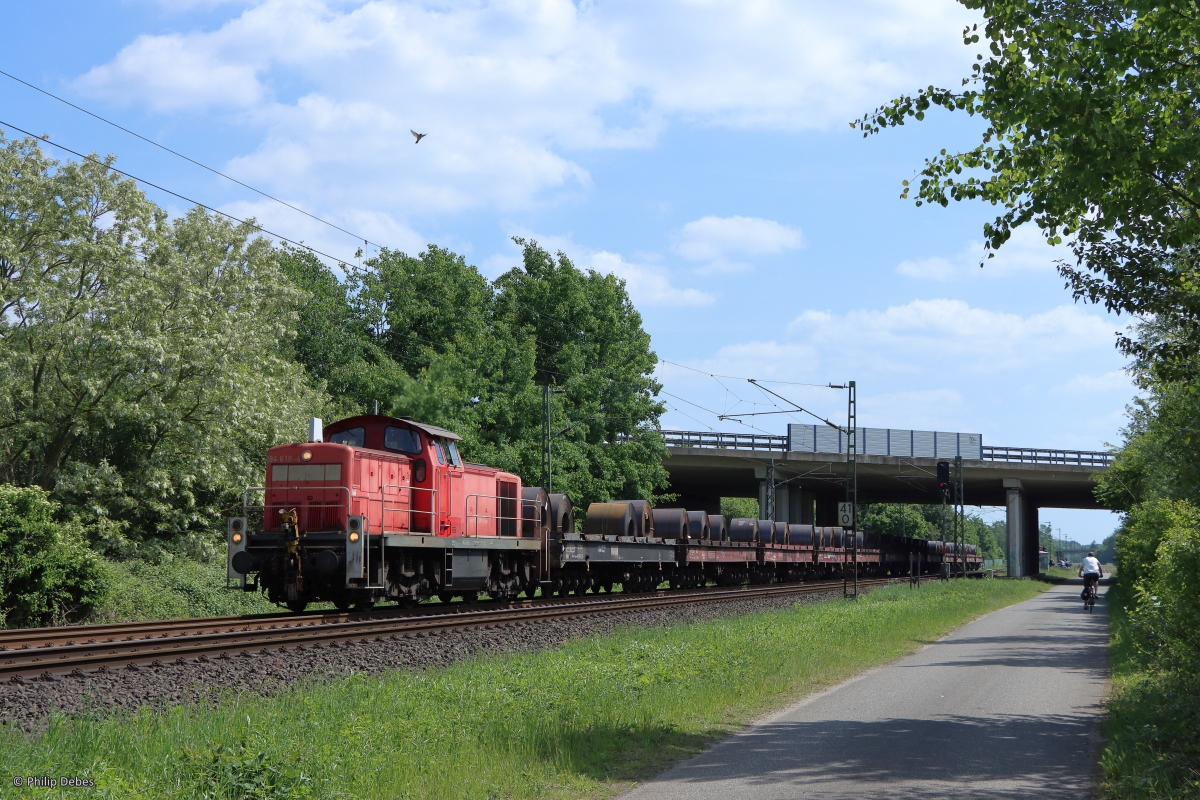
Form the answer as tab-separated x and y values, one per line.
700	150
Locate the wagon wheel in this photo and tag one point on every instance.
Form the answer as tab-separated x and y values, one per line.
297	606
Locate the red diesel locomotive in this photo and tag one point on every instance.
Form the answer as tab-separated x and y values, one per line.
376	508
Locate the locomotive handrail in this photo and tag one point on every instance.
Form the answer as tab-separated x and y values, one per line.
435	505
498	517
246	505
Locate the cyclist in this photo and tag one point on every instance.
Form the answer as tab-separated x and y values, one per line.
1091	572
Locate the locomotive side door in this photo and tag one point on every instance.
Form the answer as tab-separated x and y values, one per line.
443	484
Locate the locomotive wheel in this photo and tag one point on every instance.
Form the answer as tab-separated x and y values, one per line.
297	606
445	597
341	603
470	598
364	605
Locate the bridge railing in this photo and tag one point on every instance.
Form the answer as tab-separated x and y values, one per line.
716	440
1037	455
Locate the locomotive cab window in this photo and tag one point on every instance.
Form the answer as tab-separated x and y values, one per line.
437	446
355	437
283	473
404	440
453	451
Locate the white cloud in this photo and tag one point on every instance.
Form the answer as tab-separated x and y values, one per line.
717	239
508	91
1117	381
934	335
1045	379
1026	251
647	284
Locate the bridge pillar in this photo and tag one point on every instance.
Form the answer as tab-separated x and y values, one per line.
1033	564
1014	551
1022	528
783	509
802	512
827	508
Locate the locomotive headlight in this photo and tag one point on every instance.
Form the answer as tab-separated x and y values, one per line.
306	455
353	537
236	538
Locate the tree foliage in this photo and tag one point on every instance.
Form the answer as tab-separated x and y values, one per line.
1091	109
143	361
48	576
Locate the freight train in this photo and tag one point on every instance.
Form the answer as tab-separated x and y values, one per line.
376	508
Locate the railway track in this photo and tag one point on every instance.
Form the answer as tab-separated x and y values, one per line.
49	653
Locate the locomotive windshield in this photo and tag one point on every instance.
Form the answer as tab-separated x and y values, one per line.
405	440
355	437
454	459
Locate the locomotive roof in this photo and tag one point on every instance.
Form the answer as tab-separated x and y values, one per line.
432	430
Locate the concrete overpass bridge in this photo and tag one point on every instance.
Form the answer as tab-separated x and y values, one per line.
706	466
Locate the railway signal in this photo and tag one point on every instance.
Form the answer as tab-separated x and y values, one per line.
943	478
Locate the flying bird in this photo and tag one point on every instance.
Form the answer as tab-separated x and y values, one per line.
417	136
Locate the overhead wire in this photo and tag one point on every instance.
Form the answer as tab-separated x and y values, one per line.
190	160
110	167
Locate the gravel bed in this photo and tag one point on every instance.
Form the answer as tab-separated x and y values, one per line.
28	706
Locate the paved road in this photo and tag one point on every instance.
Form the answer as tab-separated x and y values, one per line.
1005	707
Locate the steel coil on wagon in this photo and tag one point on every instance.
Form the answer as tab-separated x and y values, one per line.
670	523
718	531
743	529
698	525
643	517
535	512
800	535
562	515
832	537
781	533
610	519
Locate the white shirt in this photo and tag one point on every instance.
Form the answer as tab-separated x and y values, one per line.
1091	566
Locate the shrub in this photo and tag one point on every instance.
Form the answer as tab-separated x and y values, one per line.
49	575
1168	593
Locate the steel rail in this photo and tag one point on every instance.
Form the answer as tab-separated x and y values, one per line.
47	662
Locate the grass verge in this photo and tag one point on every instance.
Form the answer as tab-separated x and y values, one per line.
175	587
1152	733
580	721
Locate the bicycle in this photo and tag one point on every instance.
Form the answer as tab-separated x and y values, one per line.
1089	597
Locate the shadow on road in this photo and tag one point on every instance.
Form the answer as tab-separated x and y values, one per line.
877	756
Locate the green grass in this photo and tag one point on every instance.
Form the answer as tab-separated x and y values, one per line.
173	588
581	721
1073	571
1152	733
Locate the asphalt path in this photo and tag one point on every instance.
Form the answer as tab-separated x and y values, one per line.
1005	707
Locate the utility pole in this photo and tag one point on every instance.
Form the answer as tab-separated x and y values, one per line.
768	508
852	479
548	438
960	521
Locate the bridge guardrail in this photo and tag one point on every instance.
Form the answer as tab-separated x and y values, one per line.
717	440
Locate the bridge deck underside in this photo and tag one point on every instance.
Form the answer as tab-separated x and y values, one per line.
704	474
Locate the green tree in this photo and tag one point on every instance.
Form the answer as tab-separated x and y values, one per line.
886	518
474	356
48	575
1091	110
144	359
